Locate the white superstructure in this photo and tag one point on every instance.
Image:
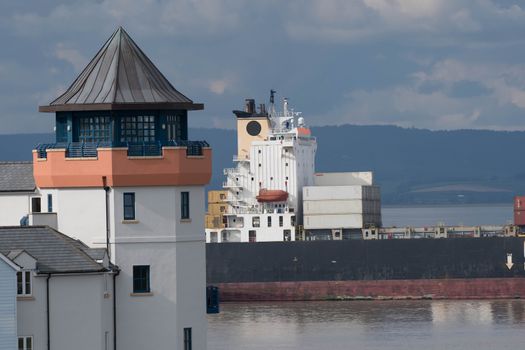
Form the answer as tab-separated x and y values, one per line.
275	160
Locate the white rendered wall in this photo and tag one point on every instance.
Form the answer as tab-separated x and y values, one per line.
8	332
13	207
174	250
79	313
81	213
31	314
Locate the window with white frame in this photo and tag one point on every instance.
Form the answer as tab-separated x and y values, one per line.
25	343
23	283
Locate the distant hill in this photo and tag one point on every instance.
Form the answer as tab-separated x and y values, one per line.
411	165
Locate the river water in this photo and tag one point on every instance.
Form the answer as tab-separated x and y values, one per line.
470	215
371	325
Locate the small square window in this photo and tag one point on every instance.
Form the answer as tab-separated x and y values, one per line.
141	279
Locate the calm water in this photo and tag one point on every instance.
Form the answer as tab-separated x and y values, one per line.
471	215
377	325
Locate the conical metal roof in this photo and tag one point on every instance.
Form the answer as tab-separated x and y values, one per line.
120	77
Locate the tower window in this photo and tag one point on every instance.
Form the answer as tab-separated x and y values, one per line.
49	203
187	339
137	129
94	129
141	279
269	221
281	221
184	205
129	206
36	205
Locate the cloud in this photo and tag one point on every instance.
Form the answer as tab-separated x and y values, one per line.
218	86
426	22
425	63
72	56
499	102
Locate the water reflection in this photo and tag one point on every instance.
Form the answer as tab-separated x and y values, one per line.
379	325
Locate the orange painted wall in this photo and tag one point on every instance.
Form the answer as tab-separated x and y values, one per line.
174	168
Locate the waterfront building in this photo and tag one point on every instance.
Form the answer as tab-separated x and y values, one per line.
123	176
55	292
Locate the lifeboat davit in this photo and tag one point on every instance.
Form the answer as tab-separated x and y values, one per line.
271	196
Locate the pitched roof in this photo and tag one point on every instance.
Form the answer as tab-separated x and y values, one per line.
54	252
120	76
16	177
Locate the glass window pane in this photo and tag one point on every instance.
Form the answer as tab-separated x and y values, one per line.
19	284
29	343
28	282
20	343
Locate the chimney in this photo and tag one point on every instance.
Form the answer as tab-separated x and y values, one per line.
249	105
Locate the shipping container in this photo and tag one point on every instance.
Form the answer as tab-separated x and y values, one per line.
364	178
519	217
312	193
217	208
349	206
214	221
217	196
333	221
519	203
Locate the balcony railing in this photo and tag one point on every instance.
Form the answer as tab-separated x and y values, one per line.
73	149
135	149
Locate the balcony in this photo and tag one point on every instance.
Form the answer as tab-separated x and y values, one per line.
136	164
230	184
135	149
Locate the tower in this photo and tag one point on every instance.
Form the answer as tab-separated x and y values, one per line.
123	175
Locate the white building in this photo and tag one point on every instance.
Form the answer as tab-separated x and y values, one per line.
55	292
123	176
275	162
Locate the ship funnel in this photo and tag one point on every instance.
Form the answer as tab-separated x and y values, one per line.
249	105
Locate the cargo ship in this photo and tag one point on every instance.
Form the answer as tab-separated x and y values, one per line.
279	230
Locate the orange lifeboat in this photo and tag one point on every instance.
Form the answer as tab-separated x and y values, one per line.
271	195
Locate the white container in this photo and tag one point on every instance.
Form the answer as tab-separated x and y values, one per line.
332	192
333	221
344	179
349	206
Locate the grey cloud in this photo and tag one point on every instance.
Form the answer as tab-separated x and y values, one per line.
425	63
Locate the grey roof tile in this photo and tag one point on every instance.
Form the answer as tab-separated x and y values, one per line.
120	74
16	177
54	252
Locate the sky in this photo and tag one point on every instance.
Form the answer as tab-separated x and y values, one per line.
436	64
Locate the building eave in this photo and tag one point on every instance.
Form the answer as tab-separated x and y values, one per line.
190	106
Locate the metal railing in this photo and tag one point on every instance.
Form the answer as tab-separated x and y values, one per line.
135	149
73	149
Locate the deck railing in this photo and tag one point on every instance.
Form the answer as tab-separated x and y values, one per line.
135	149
